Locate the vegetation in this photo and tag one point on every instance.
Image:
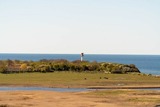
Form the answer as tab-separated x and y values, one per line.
17	66
128	98
77	79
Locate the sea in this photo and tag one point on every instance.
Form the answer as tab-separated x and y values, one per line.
149	64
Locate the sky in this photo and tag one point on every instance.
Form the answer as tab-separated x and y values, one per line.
75	26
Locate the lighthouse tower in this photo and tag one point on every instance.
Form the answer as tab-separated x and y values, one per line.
82	54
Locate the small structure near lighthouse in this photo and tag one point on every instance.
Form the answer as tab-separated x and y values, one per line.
82	54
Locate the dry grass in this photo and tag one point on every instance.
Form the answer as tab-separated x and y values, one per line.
4	105
128	98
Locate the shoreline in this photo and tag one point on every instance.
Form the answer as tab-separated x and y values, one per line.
88	87
124	87
100	96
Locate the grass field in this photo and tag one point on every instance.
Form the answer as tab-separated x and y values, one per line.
73	79
97	98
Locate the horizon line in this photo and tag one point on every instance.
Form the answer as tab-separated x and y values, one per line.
80	53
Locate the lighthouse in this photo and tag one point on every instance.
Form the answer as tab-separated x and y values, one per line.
82	54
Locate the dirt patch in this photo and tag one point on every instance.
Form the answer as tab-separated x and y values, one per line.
48	99
119	98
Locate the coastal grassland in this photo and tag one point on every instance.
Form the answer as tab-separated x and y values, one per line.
75	79
127	98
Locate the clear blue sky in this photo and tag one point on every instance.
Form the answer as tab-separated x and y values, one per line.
75	26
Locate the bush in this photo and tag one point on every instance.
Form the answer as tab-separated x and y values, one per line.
64	65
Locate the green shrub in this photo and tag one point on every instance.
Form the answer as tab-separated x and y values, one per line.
64	65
